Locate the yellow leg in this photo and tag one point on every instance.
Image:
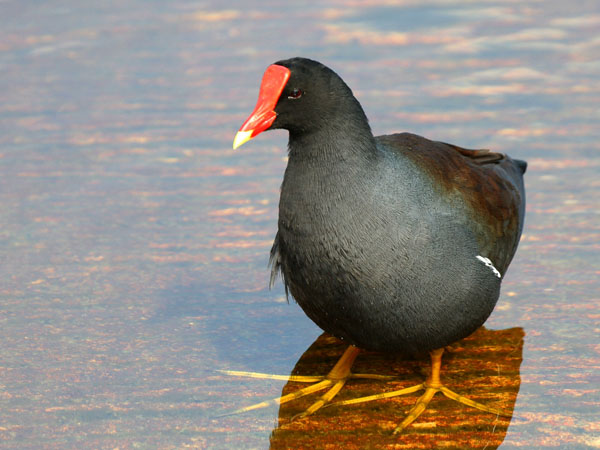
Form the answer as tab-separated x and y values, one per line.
334	380
432	386
340	373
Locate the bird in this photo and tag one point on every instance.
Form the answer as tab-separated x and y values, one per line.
392	243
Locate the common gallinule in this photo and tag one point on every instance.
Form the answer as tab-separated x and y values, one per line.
392	243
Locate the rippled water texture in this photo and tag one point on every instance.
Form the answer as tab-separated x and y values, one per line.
134	241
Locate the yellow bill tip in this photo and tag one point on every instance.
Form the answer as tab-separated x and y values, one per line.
241	138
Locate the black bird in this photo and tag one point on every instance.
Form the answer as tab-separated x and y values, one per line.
392	243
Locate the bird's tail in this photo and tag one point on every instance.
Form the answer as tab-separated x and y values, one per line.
522	165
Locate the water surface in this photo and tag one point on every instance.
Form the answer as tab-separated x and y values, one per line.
134	241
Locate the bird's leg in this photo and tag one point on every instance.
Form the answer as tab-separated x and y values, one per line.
431	387
434	385
334	380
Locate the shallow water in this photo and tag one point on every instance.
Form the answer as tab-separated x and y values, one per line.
134	241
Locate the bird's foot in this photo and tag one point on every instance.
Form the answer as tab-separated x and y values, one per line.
333	381
430	391
432	386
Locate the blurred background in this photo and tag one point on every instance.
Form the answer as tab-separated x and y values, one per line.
134	242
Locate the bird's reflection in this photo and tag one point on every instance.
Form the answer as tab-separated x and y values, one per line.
484	367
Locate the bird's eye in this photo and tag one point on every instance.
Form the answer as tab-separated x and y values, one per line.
295	93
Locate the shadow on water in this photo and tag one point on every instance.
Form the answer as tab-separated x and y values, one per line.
219	314
484	367
234	329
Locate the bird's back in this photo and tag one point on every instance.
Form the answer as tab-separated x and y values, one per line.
485	187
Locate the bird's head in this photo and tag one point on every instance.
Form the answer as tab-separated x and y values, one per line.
297	94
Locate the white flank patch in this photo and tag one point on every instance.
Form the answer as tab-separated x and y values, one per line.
488	263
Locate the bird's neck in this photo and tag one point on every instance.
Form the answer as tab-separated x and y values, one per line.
343	138
326	165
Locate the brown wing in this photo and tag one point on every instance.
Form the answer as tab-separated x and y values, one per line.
479	156
490	184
